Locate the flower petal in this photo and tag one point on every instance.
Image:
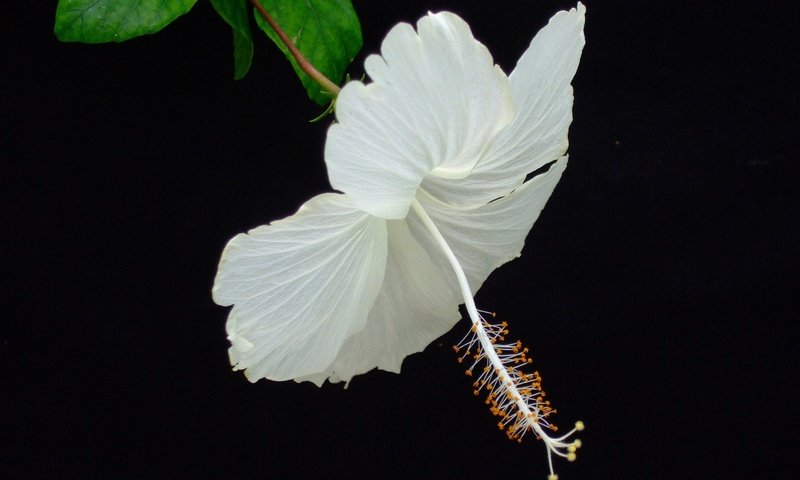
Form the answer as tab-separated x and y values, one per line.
417	304
418	301
300	287
540	86
487	236
435	102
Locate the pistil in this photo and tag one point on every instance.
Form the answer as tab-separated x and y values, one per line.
515	396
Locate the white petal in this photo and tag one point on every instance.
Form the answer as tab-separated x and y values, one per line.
300	286
435	103
540	86
487	236
419	299
417	304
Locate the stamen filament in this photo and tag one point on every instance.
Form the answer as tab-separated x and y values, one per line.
507	387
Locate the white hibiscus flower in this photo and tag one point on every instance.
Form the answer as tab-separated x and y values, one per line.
431	157
355	281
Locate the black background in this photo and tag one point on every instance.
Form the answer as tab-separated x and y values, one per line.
658	290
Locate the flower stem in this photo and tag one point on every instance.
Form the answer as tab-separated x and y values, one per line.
302	62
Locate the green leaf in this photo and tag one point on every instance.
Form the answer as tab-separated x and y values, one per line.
327	32
98	21
235	13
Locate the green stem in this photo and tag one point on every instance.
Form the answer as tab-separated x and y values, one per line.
304	64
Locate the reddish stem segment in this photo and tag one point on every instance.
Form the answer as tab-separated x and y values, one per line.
304	64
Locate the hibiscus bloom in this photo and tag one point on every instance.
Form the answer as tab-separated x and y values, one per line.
432	158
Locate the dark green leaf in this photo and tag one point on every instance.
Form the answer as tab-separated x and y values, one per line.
98	21
327	32
235	13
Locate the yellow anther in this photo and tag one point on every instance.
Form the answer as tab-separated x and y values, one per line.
508	387
571	456
577	442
